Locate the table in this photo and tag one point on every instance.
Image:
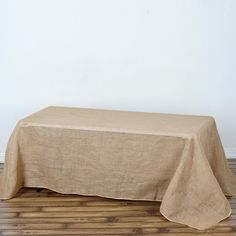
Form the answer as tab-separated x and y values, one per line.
176	159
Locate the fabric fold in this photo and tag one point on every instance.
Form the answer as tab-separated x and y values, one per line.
194	197
11	180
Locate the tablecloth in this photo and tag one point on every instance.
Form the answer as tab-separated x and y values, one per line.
176	159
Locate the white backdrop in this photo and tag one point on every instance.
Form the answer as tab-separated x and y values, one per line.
160	56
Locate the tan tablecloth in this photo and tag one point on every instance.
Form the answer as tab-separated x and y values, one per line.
176	159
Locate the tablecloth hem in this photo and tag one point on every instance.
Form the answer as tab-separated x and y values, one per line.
195	227
85	194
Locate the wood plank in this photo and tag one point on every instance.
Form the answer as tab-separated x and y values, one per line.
118	219
75	203
88	214
99	209
115	231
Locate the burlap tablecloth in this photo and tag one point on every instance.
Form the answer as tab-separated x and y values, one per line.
176	159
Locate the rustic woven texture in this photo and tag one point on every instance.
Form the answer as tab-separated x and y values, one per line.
176	159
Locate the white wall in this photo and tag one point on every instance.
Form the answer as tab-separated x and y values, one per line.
161	56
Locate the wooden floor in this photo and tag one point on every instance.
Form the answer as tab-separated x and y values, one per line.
43	212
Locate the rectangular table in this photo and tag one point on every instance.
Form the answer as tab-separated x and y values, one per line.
175	159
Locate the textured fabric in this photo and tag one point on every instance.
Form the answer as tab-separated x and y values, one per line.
176	159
